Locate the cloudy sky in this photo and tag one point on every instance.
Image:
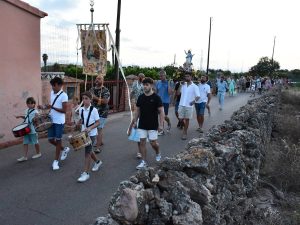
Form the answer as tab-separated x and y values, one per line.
153	31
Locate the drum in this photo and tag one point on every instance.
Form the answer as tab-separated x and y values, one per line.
42	122
80	140
21	130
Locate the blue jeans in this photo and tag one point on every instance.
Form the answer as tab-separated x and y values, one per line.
166	108
221	96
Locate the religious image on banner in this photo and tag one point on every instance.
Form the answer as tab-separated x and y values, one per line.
94	59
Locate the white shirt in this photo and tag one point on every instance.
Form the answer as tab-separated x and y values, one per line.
204	90
58	117
188	94
93	118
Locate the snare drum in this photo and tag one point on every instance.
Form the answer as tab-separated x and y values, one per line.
42	122
80	140
21	130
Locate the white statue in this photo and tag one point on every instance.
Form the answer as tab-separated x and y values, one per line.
188	57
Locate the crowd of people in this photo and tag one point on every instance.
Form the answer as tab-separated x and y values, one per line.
151	117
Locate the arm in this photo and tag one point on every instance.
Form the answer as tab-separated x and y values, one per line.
95	125
63	110
209	97
161	116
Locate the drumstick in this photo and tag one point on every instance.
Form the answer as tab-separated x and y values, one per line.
78	107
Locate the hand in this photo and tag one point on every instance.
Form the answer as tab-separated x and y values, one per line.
88	130
129	131
47	106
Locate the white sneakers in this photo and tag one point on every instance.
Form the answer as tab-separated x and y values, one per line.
37	156
158	157
142	165
22	159
55	165
64	153
83	177
96	166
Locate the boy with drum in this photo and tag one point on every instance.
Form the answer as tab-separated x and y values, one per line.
89	122
32	137
57	113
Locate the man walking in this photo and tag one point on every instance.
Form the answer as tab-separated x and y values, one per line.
204	90
222	87
164	90
189	95
101	96
148	104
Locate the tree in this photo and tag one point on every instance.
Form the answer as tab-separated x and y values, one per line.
45	58
264	67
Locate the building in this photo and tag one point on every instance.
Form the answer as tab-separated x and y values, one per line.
20	58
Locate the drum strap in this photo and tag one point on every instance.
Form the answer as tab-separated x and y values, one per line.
88	119
56	99
28	113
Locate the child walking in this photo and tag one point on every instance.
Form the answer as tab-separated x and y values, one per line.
31	138
90	121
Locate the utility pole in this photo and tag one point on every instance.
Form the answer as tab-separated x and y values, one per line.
208	46
273	50
118	50
272	60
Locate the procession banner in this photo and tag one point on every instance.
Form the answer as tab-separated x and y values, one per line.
94	59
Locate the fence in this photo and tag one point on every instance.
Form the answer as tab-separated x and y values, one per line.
112	87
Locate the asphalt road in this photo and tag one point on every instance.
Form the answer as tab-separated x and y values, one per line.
32	194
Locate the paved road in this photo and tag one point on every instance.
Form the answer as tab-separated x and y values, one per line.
32	194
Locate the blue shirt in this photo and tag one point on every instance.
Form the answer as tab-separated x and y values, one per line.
162	91
222	86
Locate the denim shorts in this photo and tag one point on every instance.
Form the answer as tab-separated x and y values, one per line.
56	131
89	148
102	123
166	108
30	139
176	106
200	108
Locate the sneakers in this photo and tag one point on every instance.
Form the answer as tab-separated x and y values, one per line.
55	165
97	150
183	137
169	127
160	133
64	153
139	155
200	130
158	157
37	156
142	165
96	166
22	159
83	177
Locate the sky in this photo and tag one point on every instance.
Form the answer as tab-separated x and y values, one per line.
154	31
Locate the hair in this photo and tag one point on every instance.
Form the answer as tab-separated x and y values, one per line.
30	100
100	76
87	94
147	80
163	73
56	80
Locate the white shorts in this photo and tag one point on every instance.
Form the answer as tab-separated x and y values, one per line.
185	112
151	134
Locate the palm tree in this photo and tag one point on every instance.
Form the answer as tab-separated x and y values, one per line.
45	58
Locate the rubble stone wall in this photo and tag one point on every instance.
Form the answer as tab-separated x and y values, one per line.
212	181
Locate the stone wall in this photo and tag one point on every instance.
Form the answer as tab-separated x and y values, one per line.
213	181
